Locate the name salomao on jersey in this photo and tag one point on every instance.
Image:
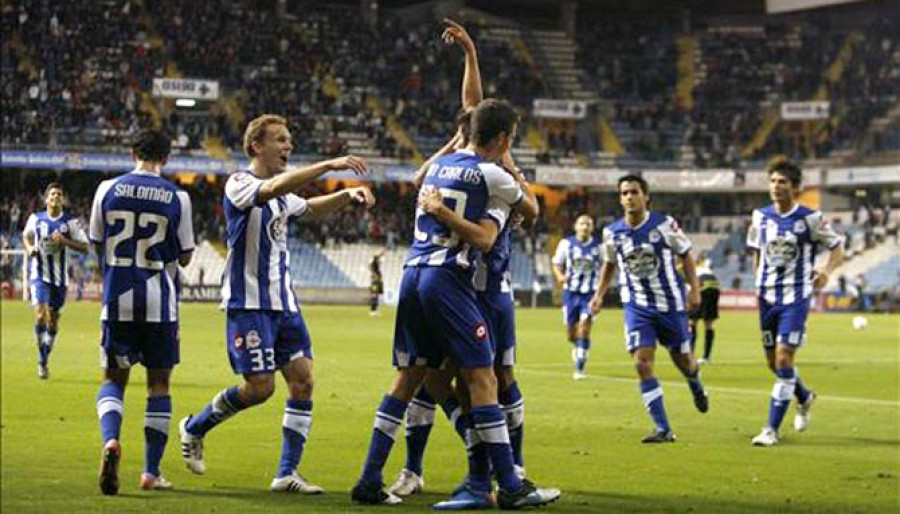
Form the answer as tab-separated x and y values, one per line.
581	260
144	223
257	268
492	273
467	182
49	265
645	256
787	245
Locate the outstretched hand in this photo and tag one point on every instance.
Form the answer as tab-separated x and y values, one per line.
351	162
362	195
456	33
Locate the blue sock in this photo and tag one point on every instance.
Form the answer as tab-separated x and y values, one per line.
514	412
693	381
582	349
223	406
295	431
782	392
801	392
42	348
156	431
419	420
490	430
454	413
652	394
388	419
479	477
109	410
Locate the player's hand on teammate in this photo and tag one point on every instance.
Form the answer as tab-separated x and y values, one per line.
456	33
693	299
362	195
820	280
349	162
57	237
430	199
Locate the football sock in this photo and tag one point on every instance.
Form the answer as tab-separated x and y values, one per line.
490	430
109	410
782	392
708	343
156	431
294	431
513	406
453	410
224	405
388	419
652	394
582	349
419	421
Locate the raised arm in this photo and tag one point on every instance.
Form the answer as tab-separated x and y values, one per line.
471	85
295	179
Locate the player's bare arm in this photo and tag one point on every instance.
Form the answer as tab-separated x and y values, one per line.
471	86
607	271
481	235
835	258
690	274
528	207
321	206
297	178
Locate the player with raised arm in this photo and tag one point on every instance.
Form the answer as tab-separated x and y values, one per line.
494	297
644	244
48	235
576	266
141	226
437	281
265	330
785	237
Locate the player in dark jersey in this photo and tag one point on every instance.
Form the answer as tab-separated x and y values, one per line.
709	307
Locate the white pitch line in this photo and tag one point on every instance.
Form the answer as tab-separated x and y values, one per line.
731	390
739	362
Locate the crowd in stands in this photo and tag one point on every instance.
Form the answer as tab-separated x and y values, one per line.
79	73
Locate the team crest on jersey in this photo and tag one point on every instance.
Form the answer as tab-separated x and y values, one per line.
642	262
238	341
654	236
481	331
799	227
63	228
253	340
780	252
278	230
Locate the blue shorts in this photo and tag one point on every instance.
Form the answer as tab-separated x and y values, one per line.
576	307
437	318
126	343
53	296
644	327
783	324
500	314
262	341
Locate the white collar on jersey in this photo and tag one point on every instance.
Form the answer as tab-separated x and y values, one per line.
466	151
788	213
145	173
641	224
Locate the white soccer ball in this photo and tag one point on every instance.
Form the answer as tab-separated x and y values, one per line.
860	322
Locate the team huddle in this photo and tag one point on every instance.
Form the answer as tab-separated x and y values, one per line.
454	342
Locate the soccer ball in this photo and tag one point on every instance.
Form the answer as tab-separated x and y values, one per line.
860	322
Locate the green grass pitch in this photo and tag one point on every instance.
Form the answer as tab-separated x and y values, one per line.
582	437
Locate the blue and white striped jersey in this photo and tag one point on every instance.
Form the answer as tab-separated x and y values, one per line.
467	182
787	245
581	261
144	223
492	273
645	256
257	267
49	265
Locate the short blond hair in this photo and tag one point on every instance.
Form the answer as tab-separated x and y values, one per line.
256	131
